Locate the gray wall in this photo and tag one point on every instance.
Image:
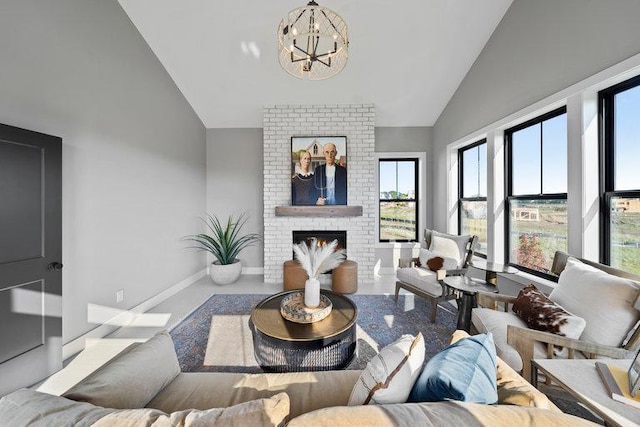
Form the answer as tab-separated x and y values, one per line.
133	150
539	48
394	139
234	182
234	167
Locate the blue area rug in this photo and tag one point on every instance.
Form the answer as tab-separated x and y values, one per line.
380	322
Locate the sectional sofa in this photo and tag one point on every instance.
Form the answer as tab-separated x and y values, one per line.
143	386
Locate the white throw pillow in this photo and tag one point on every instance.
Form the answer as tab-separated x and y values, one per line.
603	300
389	376
447	248
448	263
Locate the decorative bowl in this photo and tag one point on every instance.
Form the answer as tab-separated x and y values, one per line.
293	309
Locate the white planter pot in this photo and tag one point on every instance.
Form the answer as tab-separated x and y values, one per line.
225	274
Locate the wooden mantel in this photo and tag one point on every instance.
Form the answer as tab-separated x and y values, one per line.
319	211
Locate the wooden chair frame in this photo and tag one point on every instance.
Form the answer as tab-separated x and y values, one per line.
523	339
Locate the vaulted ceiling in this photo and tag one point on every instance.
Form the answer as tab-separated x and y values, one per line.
406	57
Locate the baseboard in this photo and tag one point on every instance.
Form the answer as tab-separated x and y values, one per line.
252	270
77	345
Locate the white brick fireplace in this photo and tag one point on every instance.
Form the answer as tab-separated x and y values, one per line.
357	123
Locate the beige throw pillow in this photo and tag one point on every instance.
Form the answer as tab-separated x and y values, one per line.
389	376
132	378
450	245
603	300
268	412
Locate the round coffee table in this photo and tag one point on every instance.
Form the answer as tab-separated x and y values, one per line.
284	346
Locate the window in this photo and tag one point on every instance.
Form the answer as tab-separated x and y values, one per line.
537	192
398	200
472	199
620	125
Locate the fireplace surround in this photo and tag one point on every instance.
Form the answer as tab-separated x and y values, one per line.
357	123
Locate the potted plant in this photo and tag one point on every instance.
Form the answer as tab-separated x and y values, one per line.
225	243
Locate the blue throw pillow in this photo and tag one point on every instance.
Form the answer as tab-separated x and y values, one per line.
464	371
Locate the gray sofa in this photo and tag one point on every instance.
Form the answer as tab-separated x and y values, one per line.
143	386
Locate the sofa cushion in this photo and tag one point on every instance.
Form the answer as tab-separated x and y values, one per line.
420	277
132	378
33	408
603	300
389	376
450	246
307	391
465	371
542	314
430	414
266	412
496	322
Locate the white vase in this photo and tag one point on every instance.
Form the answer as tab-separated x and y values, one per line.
312	292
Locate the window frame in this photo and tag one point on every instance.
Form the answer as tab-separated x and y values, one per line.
606	142
462	199
415	200
509	197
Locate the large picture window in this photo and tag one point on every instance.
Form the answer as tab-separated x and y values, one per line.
398	200
537	192
472	200
620	136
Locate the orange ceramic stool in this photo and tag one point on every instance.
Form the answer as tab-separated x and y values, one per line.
345	278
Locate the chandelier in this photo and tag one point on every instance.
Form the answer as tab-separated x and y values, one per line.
313	42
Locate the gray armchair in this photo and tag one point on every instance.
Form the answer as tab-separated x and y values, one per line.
613	310
413	276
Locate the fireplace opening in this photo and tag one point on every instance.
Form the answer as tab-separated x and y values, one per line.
323	236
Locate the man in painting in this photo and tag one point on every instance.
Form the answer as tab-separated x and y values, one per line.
330	179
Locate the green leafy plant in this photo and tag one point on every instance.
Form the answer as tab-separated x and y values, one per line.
225	241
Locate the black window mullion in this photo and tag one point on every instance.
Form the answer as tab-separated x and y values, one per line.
607	149
414	200
508	181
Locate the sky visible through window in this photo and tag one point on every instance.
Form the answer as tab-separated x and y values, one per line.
397	176
529	163
475	171
627	129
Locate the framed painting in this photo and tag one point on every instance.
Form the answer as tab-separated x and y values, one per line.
318	170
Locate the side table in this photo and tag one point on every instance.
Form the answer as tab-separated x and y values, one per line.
284	346
580	379
467	288
492	269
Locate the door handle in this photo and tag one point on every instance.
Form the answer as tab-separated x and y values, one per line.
54	266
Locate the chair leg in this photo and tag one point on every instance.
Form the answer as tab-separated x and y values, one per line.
434	310
397	290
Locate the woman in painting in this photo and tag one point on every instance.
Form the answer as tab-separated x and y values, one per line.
302	187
